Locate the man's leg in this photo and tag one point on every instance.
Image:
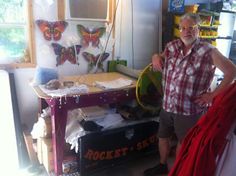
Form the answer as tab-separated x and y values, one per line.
162	167
164	149
178	149
182	125
164	132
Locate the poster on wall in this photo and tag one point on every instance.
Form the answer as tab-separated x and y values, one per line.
176	6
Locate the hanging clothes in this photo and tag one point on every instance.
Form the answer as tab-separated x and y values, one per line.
207	139
226	164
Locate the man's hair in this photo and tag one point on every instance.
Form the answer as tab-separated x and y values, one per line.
194	16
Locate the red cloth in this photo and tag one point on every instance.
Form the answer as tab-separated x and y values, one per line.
206	140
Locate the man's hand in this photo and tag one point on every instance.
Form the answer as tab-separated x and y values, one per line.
157	62
204	99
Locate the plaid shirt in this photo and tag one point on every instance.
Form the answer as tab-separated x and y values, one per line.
186	77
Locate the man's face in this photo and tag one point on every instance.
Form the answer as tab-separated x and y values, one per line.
189	31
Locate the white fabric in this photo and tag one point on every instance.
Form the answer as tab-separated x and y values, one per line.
110	120
117	83
75	131
40	128
65	91
227	163
93	112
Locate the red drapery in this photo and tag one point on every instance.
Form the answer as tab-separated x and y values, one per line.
206	140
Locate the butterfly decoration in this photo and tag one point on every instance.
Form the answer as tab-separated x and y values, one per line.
95	63
64	54
90	35
52	30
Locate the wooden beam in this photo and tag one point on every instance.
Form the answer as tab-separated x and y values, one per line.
31	29
30	149
61	9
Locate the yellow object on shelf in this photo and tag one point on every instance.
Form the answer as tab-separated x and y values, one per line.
207	36
213	43
191	8
216	23
177	19
208	33
206	20
176	32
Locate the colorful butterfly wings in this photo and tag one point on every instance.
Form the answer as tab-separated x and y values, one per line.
64	53
92	36
95	60
52	30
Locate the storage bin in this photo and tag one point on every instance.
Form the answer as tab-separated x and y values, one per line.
103	149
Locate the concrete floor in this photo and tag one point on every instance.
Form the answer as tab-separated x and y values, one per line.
134	168
131	168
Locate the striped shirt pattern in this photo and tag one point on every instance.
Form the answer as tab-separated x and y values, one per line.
186	77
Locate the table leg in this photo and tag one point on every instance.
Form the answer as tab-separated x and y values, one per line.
59	119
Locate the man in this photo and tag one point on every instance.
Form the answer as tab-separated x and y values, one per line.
188	65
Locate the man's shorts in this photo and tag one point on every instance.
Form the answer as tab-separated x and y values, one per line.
171	123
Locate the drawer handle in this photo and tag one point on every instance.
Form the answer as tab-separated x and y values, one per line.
129	133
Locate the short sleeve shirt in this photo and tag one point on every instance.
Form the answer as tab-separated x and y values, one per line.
186	76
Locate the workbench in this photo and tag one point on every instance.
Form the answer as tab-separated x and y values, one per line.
96	96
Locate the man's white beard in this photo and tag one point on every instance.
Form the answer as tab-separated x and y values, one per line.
188	42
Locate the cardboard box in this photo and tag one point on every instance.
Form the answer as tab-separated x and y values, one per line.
31	149
39	150
47	154
48	123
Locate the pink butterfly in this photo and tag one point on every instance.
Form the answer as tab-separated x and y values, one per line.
64	53
51	30
95	62
92	36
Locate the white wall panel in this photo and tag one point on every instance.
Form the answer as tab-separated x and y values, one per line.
138	26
